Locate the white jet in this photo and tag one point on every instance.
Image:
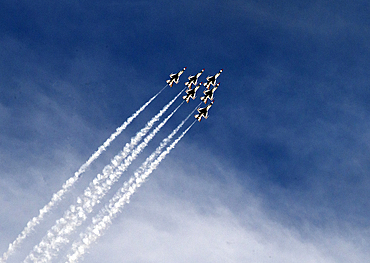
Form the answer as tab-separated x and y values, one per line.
203	112
193	79
175	78
211	80
191	93
209	93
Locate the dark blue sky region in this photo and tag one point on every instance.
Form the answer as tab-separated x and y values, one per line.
287	142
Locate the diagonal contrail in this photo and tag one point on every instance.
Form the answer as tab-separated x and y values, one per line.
104	219
57	197
146	165
76	215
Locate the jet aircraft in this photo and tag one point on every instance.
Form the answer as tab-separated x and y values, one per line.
191	93
209	93
193	79
175	77
203	112
211	80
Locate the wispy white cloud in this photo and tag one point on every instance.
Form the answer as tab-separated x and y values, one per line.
158	226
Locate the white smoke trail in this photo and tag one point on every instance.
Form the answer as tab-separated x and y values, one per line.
104	219
141	169
69	183
76	215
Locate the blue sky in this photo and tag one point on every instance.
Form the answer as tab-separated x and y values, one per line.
278	172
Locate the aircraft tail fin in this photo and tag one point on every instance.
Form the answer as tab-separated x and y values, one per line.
169	82
204	99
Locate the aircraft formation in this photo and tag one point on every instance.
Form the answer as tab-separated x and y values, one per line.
191	92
